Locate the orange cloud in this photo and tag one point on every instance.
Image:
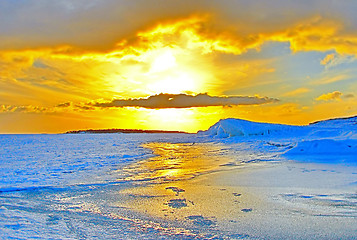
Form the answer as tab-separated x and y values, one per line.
318	34
327	59
331	79
296	92
336	95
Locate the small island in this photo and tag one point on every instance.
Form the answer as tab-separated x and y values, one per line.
118	130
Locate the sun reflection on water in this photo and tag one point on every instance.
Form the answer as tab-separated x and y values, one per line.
176	161
178	183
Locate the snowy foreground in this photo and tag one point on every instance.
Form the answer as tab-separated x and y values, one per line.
237	180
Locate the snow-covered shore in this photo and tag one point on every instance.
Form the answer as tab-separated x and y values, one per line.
330	140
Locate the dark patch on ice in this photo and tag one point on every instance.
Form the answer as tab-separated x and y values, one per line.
200	220
176	190
279	144
306	196
13	226
142	196
177	203
35	188
246	210
238	236
53	219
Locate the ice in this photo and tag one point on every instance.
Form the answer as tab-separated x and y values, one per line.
237	127
330	139
47	160
326	146
237	180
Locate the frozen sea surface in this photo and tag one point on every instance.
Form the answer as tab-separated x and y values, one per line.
47	181
30	161
238	180
68	186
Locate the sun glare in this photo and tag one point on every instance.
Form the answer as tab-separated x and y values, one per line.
174	84
164	61
172	118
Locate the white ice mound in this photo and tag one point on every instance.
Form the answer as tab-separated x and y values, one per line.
325	147
232	127
348	122
338	128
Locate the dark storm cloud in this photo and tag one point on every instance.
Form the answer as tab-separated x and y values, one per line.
184	101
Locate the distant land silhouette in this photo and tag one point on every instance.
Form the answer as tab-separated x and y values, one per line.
116	130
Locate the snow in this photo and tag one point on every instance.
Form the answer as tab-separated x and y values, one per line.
237	127
329	139
237	180
326	146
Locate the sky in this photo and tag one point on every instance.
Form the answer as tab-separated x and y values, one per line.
174	65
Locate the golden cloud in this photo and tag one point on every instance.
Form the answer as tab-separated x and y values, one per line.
328	59
296	92
327	79
336	95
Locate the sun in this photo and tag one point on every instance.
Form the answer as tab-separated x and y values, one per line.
178	82
162	67
169	74
163	61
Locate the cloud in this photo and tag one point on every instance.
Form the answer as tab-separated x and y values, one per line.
350	95
332	60
160	101
332	79
329	58
296	92
318	33
245	24
336	95
63	107
124	67
184	101
22	109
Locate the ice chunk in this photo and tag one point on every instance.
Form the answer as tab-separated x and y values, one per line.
237	127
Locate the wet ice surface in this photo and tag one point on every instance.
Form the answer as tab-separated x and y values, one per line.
169	186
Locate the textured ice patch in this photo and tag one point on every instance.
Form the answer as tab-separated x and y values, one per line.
325	149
